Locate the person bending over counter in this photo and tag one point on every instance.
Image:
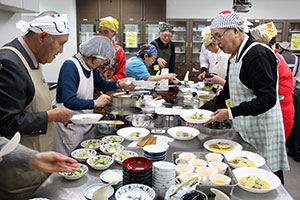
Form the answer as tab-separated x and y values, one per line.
136	67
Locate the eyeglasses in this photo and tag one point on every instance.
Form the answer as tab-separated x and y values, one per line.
218	36
166	35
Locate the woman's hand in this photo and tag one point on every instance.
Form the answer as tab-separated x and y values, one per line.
216	80
170	76
201	76
53	162
161	62
102	101
218	116
126	83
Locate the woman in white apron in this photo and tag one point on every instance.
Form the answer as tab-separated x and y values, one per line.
75	89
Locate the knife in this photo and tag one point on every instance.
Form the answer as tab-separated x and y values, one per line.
11	145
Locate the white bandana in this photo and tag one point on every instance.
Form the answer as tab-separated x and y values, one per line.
52	24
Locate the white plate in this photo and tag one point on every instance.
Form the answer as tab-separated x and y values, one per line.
112	175
125	132
112	139
198	85
257	159
97	144
237	146
111	148
100	167
186	129
167	111
160	140
83	167
89	191
270	177
86	118
75	153
136	191
185	114
188	90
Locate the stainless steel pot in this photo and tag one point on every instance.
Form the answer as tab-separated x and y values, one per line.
126	99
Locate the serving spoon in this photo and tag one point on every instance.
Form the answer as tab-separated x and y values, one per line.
101	193
11	145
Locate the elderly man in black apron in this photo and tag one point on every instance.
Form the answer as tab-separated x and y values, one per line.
25	100
252	86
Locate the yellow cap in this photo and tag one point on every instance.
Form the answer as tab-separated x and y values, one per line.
207	38
109	22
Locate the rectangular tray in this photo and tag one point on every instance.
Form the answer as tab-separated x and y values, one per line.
227	189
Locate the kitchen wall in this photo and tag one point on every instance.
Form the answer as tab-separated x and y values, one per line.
261	9
9	32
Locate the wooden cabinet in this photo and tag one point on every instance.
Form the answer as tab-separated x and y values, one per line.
138	19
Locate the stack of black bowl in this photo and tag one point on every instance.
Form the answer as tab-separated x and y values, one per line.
137	170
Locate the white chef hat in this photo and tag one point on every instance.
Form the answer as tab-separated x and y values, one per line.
98	46
54	24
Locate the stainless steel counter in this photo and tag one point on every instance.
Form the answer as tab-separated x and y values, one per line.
57	188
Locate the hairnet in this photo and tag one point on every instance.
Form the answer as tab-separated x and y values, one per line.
207	37
98	46
264	32
55	24
228	19
147	49
109	22
166	27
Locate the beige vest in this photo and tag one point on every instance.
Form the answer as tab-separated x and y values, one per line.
16	183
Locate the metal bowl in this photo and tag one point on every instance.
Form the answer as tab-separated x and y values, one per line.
106	128
139	120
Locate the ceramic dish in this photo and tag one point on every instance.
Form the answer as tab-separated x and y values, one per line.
135	191
83	154
74	175
89	191
137	164
183	132
120	156
100	162
86	118
91	144
111	148
188	90
257	159
234	145
269	177
112	139
129	133
111	175
196	116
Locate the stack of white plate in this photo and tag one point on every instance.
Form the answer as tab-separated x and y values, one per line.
163	177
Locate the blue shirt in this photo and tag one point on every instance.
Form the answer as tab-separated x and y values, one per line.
68	82
136	68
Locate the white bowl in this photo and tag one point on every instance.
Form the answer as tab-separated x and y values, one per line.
211	157
111	148
136	191
270	177
118	159
91	144
186	114
86	118
112	139
257	159
89	191
220	179
164	166
71	176
172	132
99	166
79	154
111	175
154	149
125	132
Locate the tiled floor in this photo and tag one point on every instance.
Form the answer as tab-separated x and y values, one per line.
291	179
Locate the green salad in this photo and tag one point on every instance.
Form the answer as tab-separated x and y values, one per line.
100	160
113	139
74	173
92	144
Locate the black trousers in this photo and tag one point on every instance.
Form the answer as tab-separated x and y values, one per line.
293	141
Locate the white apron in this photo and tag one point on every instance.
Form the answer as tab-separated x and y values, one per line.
265	131
67	138
18	183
